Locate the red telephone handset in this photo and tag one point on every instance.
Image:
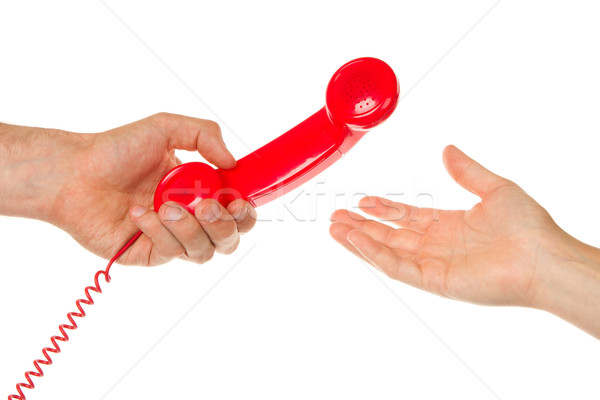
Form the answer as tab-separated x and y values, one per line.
360	95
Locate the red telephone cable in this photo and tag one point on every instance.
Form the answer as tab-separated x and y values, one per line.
72	326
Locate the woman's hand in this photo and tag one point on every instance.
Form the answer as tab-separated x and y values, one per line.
506	250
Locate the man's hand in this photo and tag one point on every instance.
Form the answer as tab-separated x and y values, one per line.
99	188
506	250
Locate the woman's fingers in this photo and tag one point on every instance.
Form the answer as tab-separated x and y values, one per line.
339	231
391	262
219	225
404	239
403	215
397	264
377	230
469	174
188	231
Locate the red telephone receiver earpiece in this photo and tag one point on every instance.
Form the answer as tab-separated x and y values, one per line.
360	95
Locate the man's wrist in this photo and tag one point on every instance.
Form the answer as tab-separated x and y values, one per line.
34	164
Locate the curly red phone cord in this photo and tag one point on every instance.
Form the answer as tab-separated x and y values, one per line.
70	316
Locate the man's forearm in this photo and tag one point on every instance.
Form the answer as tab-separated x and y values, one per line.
34	164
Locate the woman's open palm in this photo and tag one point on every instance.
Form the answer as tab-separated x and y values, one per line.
489	254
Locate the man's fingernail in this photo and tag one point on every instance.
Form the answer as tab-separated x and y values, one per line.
241	213
173	213
211	212
138	211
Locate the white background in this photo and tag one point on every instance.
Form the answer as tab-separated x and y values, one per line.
297	317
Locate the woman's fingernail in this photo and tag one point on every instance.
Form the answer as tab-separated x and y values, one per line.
350	239
211	212
173	213
138	211
367	202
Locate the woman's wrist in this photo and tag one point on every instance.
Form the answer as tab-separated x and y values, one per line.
570	285
35	163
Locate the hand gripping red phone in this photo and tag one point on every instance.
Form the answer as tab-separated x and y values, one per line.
361	94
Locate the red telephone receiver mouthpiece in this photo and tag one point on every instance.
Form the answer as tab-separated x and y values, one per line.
361	94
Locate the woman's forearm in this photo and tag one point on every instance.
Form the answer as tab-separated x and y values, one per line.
571	286
34	164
